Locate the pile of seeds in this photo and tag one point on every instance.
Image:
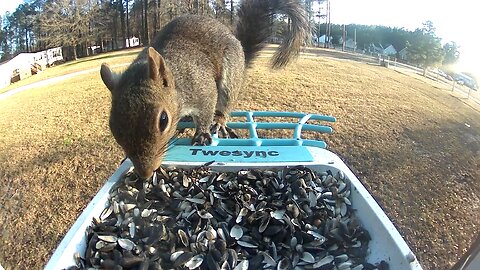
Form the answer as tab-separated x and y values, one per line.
251	219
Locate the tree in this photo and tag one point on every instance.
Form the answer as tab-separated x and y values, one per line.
424	47
146	36
103	29
121	10
451	53
2	38
156	16
78	25
8	40
65	23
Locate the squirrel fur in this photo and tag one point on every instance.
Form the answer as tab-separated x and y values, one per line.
194	67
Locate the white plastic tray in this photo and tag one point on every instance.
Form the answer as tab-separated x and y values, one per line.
386	244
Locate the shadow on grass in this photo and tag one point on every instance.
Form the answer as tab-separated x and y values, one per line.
335	54
342	55
433	166
432	159
49	184
125	54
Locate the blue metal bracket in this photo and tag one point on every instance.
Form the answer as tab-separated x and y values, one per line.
253	148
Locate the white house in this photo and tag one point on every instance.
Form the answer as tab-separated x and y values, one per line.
22	65
323	38
54	55
403	54
6	71
16	69
320	41
389	50
132	42
350	44
376	48
381	49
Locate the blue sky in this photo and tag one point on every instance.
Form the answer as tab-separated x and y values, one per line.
455	20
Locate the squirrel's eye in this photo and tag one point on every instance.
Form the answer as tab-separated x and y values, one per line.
163	121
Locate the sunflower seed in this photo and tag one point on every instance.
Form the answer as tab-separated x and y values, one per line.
126	244
246	244
196	200
236	232
204	214
194	262
347	201
326	260
243	265
344	266
291	219
312	199
243	212
174	256
343	209
278	214
307	257
127	207
182	259
283	264
341	258
106	212
108	238
183	237
131	229
267	259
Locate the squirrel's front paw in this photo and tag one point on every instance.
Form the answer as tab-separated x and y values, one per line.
202	139
223	131
220	126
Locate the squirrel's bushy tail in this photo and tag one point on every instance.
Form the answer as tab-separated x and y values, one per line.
255	22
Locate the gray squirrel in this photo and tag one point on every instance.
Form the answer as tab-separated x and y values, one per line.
194	67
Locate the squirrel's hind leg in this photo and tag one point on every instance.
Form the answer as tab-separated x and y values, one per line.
228	87
204	116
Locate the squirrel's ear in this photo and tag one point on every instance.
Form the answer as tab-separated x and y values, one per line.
157	67
109	78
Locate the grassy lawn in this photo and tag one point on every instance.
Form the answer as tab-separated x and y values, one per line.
416	147
95	61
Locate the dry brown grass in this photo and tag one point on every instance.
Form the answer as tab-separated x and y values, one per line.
118	57
405	139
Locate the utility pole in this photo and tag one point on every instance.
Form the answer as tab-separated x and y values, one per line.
355	40
344	37
231	12
318	30
311	16
128	27
319	15
329	25
145	18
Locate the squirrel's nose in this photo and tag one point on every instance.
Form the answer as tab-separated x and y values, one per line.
143	173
